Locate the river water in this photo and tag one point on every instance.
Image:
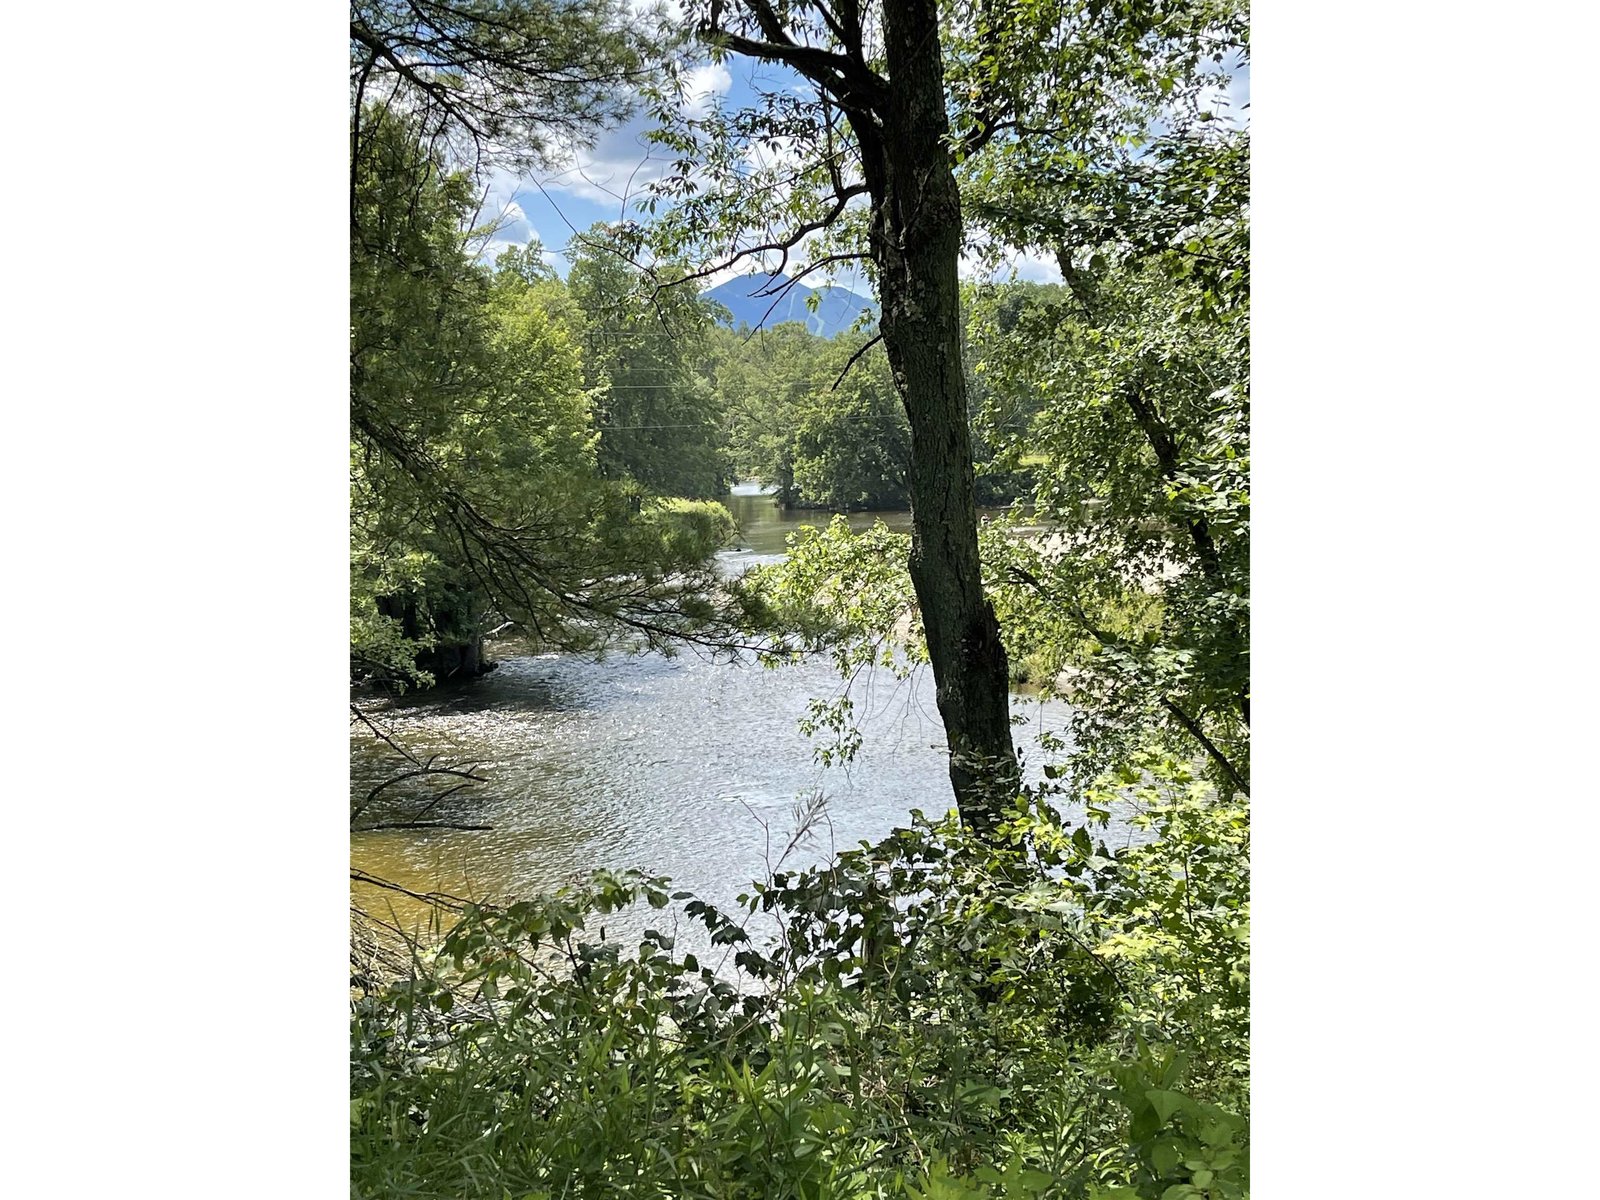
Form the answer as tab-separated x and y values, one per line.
686	767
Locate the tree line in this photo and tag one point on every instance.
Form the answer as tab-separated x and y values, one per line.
495	474
484	393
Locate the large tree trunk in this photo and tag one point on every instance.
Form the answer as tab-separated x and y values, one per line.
916	243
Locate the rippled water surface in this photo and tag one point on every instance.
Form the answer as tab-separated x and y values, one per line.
686	766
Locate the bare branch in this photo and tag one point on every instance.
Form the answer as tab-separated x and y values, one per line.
854	358
1199	735
780	246
845	74
439	899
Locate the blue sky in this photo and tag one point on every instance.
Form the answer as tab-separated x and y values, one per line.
605	181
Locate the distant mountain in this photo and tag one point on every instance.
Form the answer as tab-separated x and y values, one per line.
837	308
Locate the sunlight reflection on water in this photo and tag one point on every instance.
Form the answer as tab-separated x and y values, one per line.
669	765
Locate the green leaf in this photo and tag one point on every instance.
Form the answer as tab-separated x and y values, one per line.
1166	1103
1165	1155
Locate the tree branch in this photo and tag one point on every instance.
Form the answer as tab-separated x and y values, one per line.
873	341
439	899
1211	748
845	74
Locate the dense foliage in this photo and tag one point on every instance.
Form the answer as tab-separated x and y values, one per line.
936	1015
647	358
818	420
479	489
1121	397
515	82
1126	390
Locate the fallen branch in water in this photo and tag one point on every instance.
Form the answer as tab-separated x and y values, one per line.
439	899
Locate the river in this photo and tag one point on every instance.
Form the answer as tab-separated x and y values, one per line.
686	766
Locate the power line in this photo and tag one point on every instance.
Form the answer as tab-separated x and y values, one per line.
759	330
862	418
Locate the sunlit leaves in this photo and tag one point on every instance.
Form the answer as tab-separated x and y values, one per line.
476	494
646	360
1126	389
932	999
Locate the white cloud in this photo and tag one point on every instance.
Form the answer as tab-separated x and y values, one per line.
717	278
498	207
703	85
997	264
1228	100
1037	268
493	249
617	169
670	10
510	223
781	152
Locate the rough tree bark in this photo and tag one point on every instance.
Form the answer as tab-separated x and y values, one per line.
916	243
902	129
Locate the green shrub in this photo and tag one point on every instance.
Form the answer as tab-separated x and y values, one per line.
932	1016
693	529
